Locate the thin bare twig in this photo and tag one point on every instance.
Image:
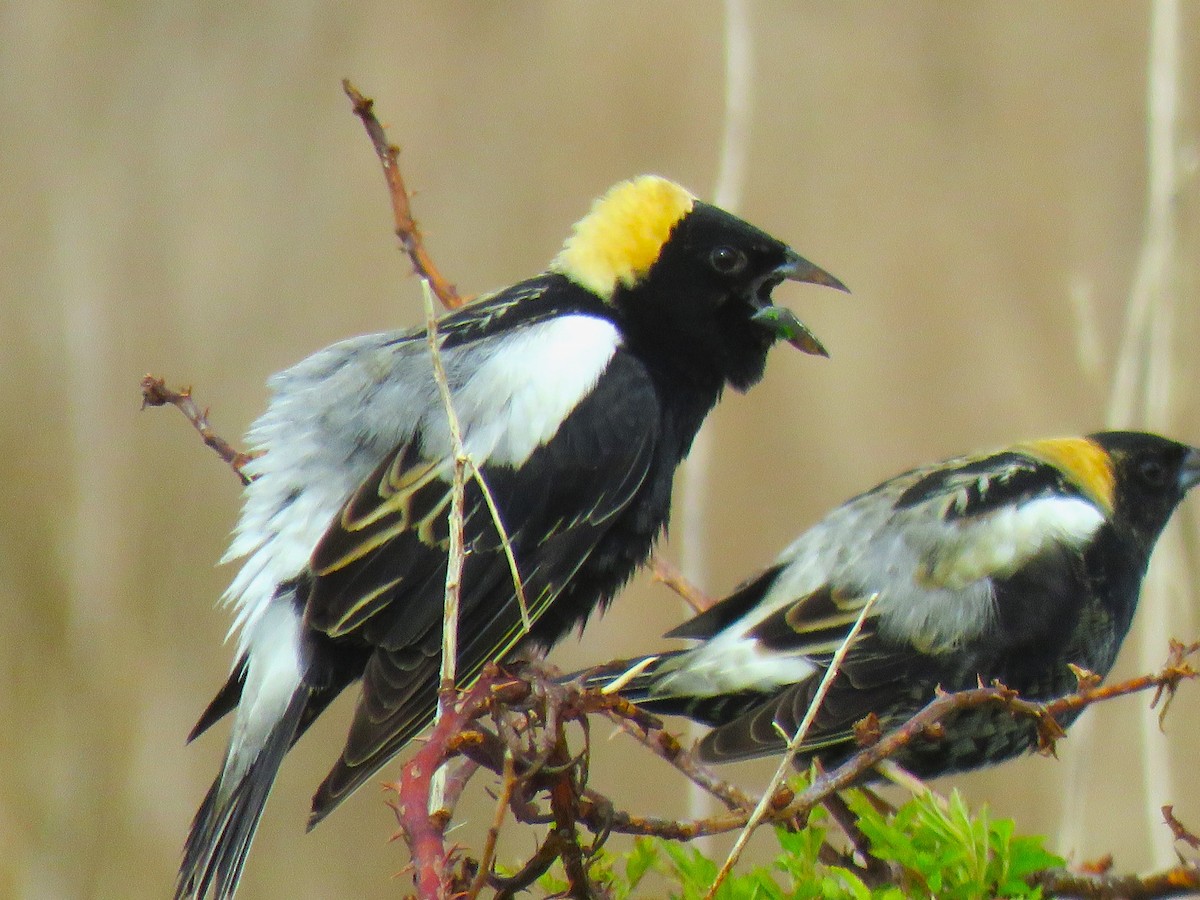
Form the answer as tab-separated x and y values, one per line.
413	244
784	805
156	393
421	787
455	554
508	781
672	577
667	747
1178	829
1165	682
505	544
935	712
407	231
793	747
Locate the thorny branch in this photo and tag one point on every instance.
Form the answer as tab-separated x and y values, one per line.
526	744
1177	881
406	226
424	831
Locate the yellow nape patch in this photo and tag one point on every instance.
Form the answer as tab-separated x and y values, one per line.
1084	462
620	238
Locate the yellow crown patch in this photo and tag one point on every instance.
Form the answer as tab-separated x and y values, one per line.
1086	464
620	238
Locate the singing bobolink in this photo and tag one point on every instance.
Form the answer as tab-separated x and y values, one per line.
579	392
1003	566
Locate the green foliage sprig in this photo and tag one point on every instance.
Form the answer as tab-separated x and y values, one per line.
932	848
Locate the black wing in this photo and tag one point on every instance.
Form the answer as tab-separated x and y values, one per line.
872	679
893	678
379	573
873	675
987	484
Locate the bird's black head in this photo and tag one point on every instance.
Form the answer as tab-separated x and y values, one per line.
1152	475
690	282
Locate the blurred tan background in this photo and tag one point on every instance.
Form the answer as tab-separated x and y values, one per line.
187	193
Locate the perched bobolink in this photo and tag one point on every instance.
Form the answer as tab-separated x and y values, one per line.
1008	565
578	391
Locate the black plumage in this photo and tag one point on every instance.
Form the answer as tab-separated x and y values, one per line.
1006	566
579	392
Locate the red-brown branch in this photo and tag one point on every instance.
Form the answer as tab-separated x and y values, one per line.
666	746
691	594
528	749
786	805
1178	829
426	833
407	230
1178	881
1165	682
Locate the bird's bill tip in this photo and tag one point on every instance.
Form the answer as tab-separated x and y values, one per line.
784	324
1189	474
797	268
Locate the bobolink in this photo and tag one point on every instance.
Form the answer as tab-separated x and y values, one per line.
1008	565
578	391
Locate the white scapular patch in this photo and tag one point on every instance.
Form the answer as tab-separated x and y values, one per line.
935	581
527	383
273	673
951	596
1007	539
335	415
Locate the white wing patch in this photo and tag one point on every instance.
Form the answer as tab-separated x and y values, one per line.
935	582
1007	539
336	414
528	383
951	596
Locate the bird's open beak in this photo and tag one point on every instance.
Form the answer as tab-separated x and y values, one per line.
797	268
783	321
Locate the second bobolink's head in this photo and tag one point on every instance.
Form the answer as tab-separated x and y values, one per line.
689	278
1150	475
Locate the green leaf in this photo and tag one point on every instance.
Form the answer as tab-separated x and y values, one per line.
639	860
941	849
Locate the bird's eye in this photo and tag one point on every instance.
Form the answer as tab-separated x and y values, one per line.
727	260
1153	473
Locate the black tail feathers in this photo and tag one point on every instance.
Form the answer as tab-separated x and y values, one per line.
225	824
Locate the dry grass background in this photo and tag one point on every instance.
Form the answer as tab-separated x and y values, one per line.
188	193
